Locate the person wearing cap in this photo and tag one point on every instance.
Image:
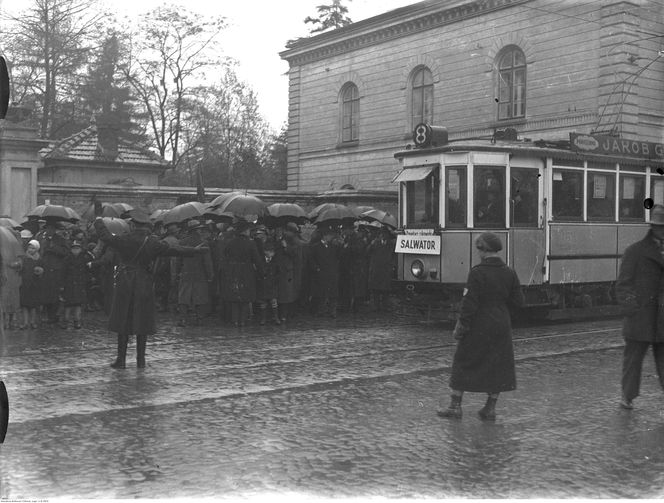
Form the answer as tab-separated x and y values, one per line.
30	291
133	305
484	357
75	275
242	265
195	275
639	291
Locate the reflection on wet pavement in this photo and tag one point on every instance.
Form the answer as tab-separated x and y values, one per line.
328	410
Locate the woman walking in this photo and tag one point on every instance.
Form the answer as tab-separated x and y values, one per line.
484	358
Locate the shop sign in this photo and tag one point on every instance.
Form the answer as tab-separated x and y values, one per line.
418	244
610	145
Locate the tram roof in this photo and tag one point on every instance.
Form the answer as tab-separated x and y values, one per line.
541	148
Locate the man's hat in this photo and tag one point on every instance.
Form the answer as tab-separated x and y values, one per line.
489	242
77	244
194	224
657	215
138	216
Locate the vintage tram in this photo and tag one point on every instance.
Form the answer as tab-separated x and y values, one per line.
565	211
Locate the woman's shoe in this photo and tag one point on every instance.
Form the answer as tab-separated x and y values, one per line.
488	412
454	410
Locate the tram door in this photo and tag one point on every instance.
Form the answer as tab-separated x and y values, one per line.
527	237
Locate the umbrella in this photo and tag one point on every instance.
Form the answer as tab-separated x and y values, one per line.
54	212
244	206
382	217
282	213
158	215
335	214
9	222
314	213
219	200
116	226
115	209
11	246
184	212
218	216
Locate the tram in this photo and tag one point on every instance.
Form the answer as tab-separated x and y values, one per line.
564	210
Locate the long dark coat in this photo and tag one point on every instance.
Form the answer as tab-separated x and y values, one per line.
324	263
133	305
31	283
267	286
195	274
75	279
355	267
53	249
290	260
639	288
241	264
484	357
381	261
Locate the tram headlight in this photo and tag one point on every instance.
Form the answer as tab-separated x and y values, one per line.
417	268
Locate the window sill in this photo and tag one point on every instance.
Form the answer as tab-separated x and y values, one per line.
501	123
348	144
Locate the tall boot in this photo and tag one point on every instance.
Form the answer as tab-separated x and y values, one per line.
141	342
454	410
119	362
275	315
488	412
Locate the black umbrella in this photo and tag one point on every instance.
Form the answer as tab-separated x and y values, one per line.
54	212
334	214
183	212
279	214
221	199
116	226
244	206
380	216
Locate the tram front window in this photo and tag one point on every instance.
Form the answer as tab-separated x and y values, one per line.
455	185
525	197
422	201
489	197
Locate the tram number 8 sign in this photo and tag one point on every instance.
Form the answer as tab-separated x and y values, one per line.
425	135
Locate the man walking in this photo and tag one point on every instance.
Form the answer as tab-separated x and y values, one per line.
638	291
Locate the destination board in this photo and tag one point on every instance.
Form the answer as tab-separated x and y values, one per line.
418	244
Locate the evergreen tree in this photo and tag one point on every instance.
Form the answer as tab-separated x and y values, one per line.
330	16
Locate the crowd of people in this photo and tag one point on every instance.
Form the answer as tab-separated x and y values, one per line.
248	272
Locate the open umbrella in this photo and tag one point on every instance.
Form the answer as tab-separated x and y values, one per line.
6	221
158	215
279	214
221	199
335	214
380	216
54	212
314	213
116	226
358	210
244	206
183	212
115	209
218	216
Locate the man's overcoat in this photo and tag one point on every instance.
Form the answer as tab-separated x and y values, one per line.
639	290
133	305
241	263
484	358
324	262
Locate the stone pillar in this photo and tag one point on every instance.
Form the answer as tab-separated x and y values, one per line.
19	162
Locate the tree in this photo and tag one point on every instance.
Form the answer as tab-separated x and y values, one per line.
330	16
170	51
49	44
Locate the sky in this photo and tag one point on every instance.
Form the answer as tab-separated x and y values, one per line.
257	30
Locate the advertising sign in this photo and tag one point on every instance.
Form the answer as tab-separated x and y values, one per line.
610	145
418	244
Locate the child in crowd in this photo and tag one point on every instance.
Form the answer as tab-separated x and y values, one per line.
75	283
31	278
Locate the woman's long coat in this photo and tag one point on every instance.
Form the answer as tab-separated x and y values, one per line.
640	289
133	305
195	275
355	267
241	264
290	260
381	261
484	358
324	263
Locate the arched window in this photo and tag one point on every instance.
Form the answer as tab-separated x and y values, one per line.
350	113
511	83
421	97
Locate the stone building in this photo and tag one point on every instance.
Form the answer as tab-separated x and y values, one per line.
545	68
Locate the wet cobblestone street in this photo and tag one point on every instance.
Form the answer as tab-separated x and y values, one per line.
326	408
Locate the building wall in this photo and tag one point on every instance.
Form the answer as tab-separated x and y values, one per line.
567	84
68	174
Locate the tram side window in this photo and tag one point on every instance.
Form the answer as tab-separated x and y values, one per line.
632	194
456	190
657	189
489	197
601	196
422	201
567	195
525	197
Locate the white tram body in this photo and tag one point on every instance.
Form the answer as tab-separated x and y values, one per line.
564	216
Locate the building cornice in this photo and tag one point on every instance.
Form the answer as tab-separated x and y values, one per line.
389	26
